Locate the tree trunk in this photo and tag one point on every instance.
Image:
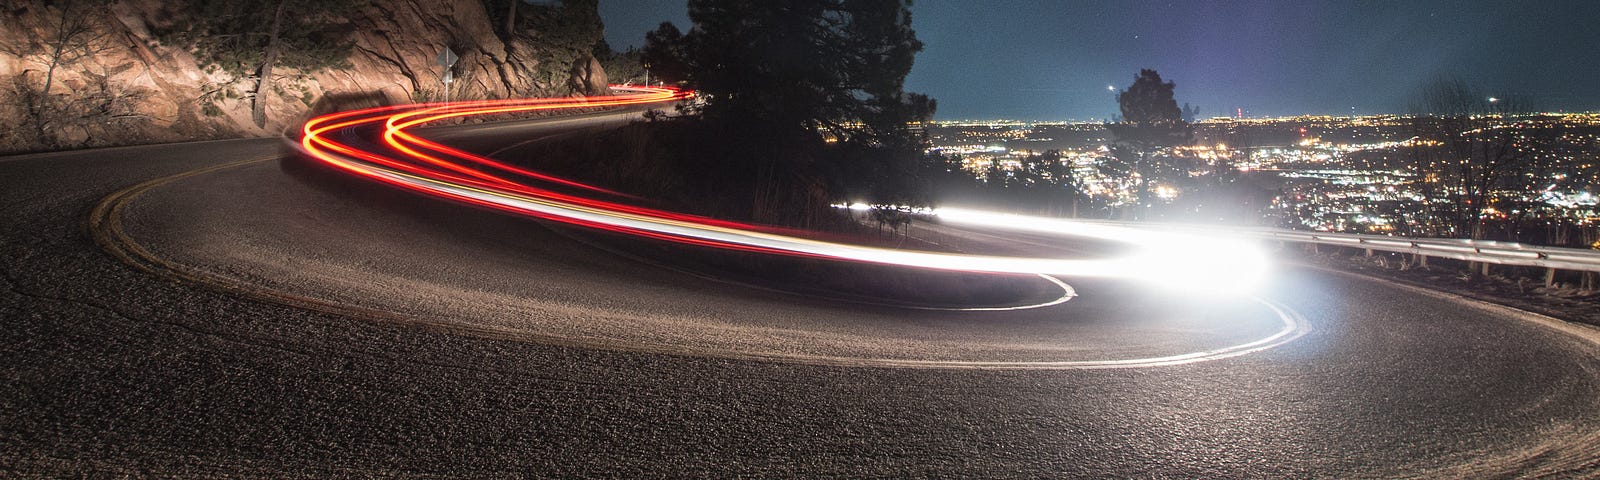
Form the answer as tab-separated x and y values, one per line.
1143	192
38	104
511	18
258	107
50	72
65	30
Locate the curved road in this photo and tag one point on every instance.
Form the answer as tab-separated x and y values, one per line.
249	317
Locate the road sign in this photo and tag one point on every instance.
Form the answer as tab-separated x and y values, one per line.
447	58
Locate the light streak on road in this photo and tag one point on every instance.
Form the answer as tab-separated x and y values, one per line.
1182	260
1187	262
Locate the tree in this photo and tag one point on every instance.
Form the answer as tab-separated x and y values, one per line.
620	67
75	35
832	65
252	40
1150	120
567	33
511	16
664	54
804	92
1473	145
1050	182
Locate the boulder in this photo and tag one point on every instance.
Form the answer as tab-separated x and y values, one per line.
588	77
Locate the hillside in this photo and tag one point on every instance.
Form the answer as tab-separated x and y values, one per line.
87	73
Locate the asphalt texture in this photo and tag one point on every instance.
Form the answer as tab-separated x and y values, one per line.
113	369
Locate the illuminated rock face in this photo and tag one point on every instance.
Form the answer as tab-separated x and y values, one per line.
588	77
130	88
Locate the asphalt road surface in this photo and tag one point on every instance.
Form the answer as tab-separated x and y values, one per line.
210	309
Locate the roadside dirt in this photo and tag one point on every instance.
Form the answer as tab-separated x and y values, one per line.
1517	287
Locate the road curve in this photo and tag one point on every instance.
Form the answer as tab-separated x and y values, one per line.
118	368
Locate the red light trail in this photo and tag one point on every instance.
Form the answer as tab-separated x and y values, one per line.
411	162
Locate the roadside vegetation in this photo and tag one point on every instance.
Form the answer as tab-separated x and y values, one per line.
801	107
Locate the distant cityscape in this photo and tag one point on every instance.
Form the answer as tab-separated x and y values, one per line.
1358	174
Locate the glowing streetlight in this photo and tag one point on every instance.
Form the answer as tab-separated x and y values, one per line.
1493	99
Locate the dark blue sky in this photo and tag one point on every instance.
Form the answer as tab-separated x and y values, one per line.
1054	59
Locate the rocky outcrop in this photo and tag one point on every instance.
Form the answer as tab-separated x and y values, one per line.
588	77
83	77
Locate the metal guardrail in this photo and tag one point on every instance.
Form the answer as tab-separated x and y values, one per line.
1486	251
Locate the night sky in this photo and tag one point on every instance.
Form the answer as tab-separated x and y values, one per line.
1048	60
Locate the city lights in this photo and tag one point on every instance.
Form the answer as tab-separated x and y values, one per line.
1357	174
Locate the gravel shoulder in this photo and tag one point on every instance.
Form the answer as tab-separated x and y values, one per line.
1524	292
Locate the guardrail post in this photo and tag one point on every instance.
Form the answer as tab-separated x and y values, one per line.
1550	277
1417	257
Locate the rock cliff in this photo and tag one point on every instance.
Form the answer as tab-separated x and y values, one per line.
88	73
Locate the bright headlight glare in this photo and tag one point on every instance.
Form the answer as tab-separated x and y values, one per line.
1180	262
1208	266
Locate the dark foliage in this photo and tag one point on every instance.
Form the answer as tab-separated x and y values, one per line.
805	99
831	65
1150	114
1044	184
664	56
567	33
1151	120
621	67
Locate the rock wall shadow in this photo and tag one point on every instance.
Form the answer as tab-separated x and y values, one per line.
345	101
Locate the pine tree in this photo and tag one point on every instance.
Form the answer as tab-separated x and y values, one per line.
1151	120
798	87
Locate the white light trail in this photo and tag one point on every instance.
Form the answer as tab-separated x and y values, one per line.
1182	261
1175	261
